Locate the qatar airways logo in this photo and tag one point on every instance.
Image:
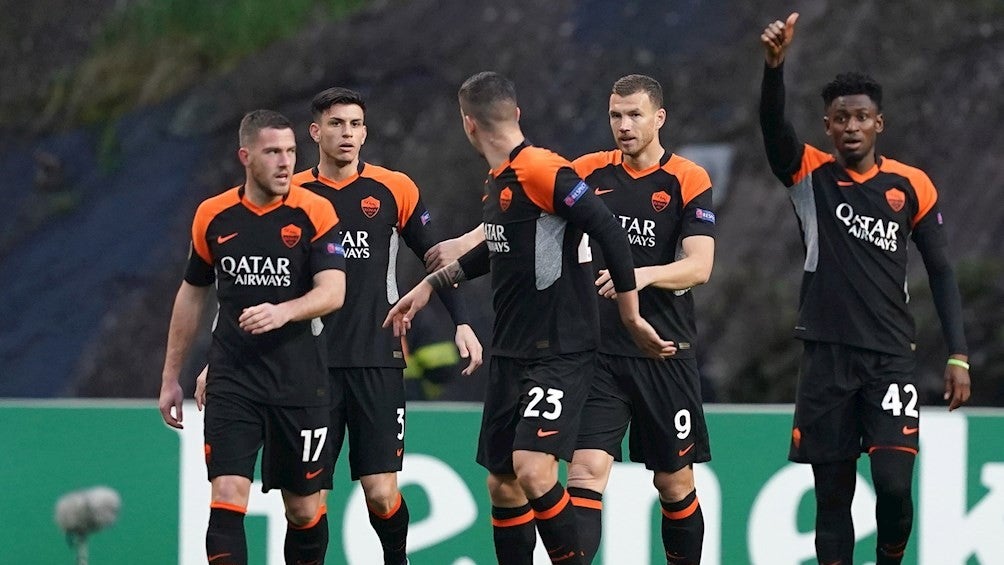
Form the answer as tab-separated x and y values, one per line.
639	232
881	233
495	238
356	244
255	270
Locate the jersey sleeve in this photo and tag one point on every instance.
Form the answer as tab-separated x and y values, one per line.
326	251
576	202
784	150
199	269
476	262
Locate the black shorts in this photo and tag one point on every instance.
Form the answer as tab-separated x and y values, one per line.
661	399
853	400
369	402
296	454
533	405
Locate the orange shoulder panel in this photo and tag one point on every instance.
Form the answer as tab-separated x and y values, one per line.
303	177
590	162
812	159
537	170
927	195
693	178
404	189
318	208
204	214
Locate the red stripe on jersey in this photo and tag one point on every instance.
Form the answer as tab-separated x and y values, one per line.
537	170
403	188
208	210
927	195
693	178
812	159
320	211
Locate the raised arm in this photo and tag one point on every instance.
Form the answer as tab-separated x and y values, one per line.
784	150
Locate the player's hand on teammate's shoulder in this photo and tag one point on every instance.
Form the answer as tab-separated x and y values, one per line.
469	347
263	318
776	38
957	385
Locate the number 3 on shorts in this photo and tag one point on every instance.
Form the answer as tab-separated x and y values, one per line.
892	403
536	394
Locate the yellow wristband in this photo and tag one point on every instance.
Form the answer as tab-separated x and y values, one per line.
958	363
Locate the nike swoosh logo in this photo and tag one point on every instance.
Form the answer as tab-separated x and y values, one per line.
221	239
556	559
908	431
399	452
311	475
542	433
844	183
212	558
685	451
602	192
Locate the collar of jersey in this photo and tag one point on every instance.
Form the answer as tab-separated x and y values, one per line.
261	210
666	156
339	184
864	177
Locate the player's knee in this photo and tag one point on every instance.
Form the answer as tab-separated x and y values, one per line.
303	510
674	487
535	479
381	491
588	472
231	489
892	474
504	490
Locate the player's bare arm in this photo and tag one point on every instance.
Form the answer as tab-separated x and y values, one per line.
401	315
693	269
449	250
188	305
776	38
326	296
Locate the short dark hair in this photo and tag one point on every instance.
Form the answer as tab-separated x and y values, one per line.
255	121
846	84
488	97
332	96
633	84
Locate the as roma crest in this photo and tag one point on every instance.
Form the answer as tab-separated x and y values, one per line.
660	200
291	235
370	206
895	198
505	198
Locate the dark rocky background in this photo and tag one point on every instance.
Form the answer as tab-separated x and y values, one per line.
99	187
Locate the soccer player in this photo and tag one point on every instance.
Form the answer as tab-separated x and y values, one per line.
663	202
271	251
378	208
856	391
536	210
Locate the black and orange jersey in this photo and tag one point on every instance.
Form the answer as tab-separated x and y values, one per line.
257	255
535	212
377	208
658	208
855	228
